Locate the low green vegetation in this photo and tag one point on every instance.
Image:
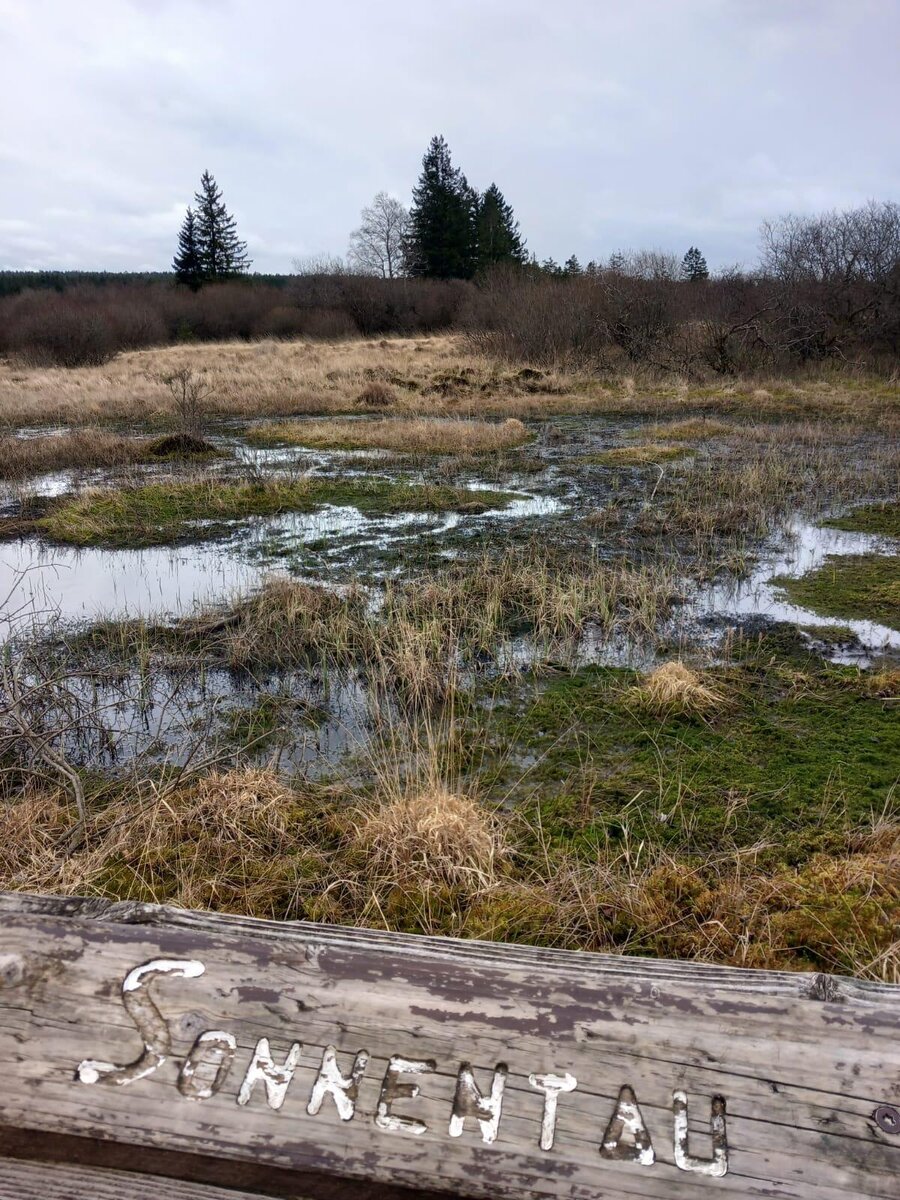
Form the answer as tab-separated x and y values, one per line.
871	518
861	586
163	512
794	753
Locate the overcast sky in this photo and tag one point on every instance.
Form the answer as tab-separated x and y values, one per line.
607	123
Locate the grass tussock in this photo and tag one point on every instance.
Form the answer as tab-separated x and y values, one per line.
404	435
674	688
21	457
884	684
433	835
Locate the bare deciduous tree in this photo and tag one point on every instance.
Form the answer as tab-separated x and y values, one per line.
376	247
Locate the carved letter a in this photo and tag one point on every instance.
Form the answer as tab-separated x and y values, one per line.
627	1138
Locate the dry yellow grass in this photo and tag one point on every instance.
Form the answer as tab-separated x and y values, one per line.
694	429
410	435
885	684
637	456
224	841
23	456
435	861
433	835
433	375
428	375
674	688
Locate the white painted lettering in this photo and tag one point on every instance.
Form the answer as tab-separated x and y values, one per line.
343	1089
551	1086
263	1069
627	1138
206	1067
718	1164
147	1019
469	1101
394	1087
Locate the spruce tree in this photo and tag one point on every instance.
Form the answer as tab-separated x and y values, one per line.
497	231
222	253
693	266
188	264
441	239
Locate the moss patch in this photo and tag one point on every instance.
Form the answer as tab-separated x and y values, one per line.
870	518
169	512
861	586
802	752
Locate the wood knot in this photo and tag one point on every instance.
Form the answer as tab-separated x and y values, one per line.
826	987
12	969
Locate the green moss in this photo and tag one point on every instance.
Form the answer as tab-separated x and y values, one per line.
862	586
871	518
168	512
801	753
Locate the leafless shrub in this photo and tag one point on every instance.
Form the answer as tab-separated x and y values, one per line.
191	394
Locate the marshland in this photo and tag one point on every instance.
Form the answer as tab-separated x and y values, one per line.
399	631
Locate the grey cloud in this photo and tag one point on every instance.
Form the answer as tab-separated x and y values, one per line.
607	125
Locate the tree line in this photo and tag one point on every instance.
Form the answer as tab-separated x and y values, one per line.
451	231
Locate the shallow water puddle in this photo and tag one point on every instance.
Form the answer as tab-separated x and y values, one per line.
167	581
178	717
803	548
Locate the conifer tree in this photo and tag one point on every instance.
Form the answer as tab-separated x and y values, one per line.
441	239
572	266
222	253
497	231
188	264
693	266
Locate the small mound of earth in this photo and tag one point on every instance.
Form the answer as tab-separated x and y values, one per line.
180	445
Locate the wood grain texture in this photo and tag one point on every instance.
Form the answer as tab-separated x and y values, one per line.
23	1180
802	1063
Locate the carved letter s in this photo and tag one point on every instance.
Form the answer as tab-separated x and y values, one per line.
148	1020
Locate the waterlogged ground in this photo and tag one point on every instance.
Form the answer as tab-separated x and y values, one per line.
635	663
579	487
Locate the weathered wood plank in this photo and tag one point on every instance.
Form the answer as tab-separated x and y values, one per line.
472	1068
23	1180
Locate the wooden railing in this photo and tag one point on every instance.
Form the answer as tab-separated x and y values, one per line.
151	1052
